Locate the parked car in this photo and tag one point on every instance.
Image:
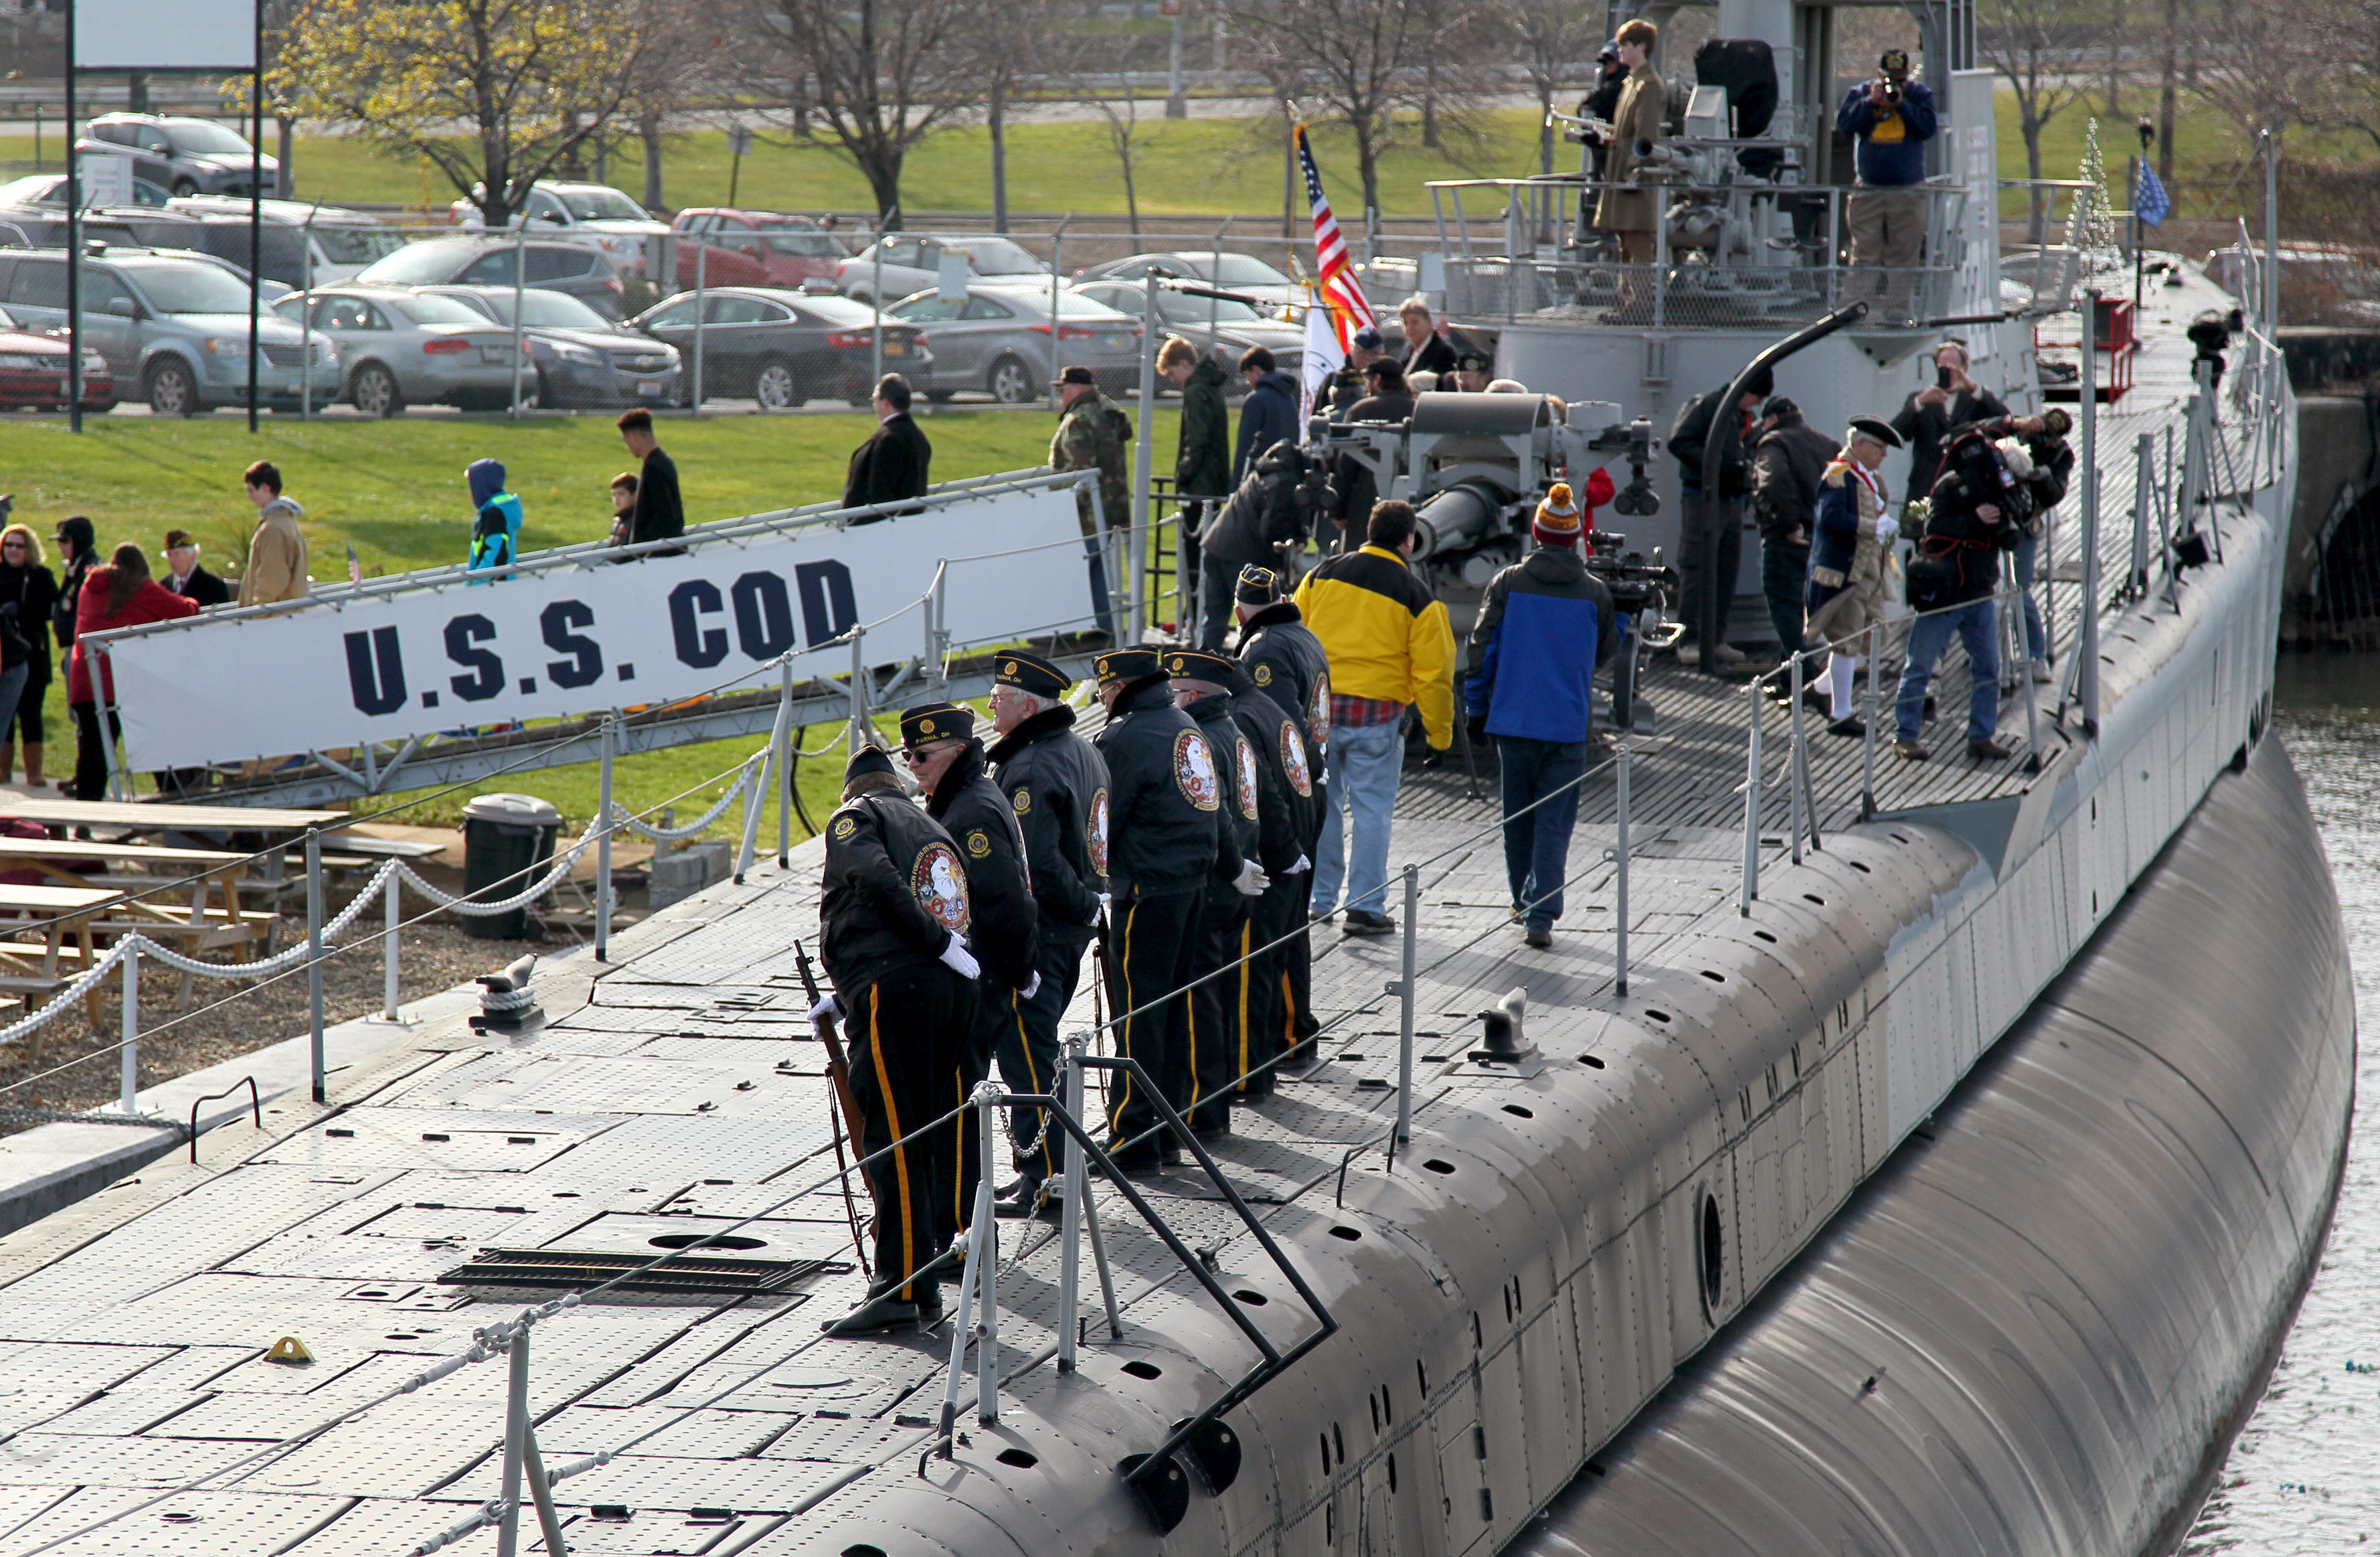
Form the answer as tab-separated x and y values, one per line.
997	340
50	189
186	156
34	372
781	347
402	347
579	357
175	324
1244	273
910	263
488	261
1222	328
753	248
595	216
305	244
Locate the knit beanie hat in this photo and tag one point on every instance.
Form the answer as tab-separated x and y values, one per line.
1557	520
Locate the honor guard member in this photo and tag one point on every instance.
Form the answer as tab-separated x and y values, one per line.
1219	1006
1285	660
1286	808
1167	838
893	929
938	744
1056	789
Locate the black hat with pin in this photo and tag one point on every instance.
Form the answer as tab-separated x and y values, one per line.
935	721
1197	664
867	759
1877	428
1259	585
1133	663
1031	672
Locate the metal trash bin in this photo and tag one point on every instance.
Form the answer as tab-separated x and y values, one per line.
507	841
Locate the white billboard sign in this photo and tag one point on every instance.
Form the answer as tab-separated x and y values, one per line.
573	641
106	180
165	34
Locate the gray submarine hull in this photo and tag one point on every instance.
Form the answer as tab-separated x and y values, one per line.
2039	1327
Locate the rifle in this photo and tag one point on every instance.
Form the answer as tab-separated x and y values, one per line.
845	1109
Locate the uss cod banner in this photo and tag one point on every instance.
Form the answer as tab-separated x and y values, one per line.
574	640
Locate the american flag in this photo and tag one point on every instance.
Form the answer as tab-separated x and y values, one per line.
1341	287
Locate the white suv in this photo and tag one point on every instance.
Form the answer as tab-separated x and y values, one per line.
595	215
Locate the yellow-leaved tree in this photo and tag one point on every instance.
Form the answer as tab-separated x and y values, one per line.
494	94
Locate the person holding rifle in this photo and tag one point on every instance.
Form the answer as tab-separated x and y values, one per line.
893	930
1057	788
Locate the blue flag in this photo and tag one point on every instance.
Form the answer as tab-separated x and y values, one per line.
2149	202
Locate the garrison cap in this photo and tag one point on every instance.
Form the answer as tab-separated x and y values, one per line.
1369	339
1031	672
935	721
1259	586
1197	664
1470	359
867	759
1129	664
1877	428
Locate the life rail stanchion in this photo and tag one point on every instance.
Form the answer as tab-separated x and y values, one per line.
1752	808
609	740
785	773
1403	989
130	1081
1869	736
2136	580
1620	879
516	1432
1793	772
394	915
2086	684
756	796
314	957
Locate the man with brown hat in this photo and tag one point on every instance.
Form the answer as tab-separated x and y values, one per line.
1168	840
1093	433
186	578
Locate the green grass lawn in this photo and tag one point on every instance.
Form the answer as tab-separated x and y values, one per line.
395	491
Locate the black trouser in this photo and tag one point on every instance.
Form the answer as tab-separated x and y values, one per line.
1030	1057
90	757
1216	589
907	1032
1785	584
1220	1008
1281	976
1152	942
1710	550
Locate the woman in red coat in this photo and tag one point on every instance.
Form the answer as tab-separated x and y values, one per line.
119	595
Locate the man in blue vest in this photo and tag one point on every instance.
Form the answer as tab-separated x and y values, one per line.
495	528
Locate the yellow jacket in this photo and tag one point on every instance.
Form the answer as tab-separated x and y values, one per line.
1386	635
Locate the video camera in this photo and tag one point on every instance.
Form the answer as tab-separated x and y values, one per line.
1636	583
1633	441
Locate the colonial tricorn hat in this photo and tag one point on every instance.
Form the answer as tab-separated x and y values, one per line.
935	721
1129	664
1031	672
1877	428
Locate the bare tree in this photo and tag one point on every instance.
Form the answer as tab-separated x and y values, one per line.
2032	44
1553	36
1009	36
883	75
680	60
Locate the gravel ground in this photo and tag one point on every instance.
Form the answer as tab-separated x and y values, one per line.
226	1017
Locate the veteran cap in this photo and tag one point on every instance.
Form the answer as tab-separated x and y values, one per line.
935	721
1031	672
1197	664
867	759
1130	664
1259	586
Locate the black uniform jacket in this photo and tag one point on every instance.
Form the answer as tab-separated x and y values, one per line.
1235	762
1288	664
896	891
1285	791
1165	798
1057	788
974	811
890	466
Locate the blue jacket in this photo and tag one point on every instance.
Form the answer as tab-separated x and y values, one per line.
1891	144
1267	416
1545	625
495	528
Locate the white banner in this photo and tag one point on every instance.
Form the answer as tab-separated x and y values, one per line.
165	35
578	640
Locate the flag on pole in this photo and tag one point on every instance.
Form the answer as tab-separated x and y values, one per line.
1349	311
1324	357
2149	202
355	566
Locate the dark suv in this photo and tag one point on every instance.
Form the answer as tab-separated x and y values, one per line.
184	156
583	273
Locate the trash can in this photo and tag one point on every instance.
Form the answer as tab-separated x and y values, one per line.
507	841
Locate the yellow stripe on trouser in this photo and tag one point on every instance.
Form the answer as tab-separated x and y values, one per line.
893	1124
1246	931
1124	966
1033	1078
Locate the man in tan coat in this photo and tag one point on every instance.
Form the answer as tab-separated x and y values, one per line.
1630	214
276	553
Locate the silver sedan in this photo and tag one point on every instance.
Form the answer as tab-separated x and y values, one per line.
997	339
401	347
1220	326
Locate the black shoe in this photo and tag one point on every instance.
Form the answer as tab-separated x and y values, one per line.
1214	1129
1930	711
1171	1157
1023	1199
1848	725
1141	1158
885	1310
1993	750
1540	936
1366	921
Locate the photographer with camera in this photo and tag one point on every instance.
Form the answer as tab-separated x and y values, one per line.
1976	511
1273	508
1928	417
1891	117
2053	466
1600	103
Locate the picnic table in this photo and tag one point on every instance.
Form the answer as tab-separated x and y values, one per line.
68	913
160	817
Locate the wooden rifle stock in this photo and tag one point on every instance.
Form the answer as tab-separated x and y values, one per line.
839	1074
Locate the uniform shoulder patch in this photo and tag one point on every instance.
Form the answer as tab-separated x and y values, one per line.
1022	800
1263	677
939	882
845	827
979	844
1194	771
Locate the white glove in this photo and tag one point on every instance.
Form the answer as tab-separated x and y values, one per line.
1104	898
1252	882
957	958
1302	867
1031	989
1887	527
825	1010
